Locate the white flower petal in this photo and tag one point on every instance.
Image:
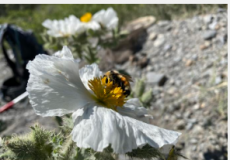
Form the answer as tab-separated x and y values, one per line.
166	149
97	127
47	23
60	28
107	18
54	86
65	53
92	25
133	108
89	72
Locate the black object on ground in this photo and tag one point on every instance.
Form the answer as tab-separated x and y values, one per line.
25	47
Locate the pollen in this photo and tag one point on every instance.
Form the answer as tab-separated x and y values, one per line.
86	17
107	93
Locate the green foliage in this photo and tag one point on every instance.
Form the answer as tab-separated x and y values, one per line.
145	152
34	146
139	92
48	145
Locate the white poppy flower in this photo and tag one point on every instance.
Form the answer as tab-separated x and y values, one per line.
107	18
64	28
101	114
88	23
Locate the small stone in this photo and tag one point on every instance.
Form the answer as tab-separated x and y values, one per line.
149	68
208	19
193	141
209	34
168	28
217	27
171	90
159	41
212	26
189	62
171	81
189	126
143	62
198	129
206	45
223	39
163	23
202	105
152	36
178	82
157	78
177	59
194	148
122	56
196	106
218	80
167	47
180	125
187	114
178	115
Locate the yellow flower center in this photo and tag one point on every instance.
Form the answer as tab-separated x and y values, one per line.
107	93
86	17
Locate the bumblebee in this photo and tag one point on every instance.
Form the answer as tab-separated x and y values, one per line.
120	80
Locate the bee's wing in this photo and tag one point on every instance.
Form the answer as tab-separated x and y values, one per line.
128	77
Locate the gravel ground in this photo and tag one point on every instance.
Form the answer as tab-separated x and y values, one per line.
185	63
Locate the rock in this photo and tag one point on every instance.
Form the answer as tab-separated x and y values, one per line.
213	25
209	34
168	28
194	148
196	106
218	80
223	39
206	45
142	22
172	90
177	59
152	36
163	23
149	68
202	105
159	41
122	56
217	27
194	57
156	78
180	124
143	62
167	47
189	62
193	141
208	19
189	126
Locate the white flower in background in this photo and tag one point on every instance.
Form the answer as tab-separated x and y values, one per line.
107	18
64	28
101	113
88	23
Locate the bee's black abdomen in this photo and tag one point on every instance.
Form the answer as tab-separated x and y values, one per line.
127	93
